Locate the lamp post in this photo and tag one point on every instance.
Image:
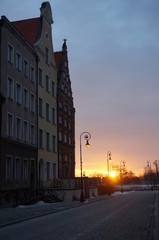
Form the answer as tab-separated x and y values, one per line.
87	136
122	167
148	172
108	159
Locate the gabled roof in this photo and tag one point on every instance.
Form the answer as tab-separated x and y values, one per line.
29	28
58	56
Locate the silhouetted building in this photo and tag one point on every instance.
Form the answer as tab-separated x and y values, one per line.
66	117
38	32
18	87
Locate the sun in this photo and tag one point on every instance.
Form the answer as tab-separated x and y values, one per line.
112	174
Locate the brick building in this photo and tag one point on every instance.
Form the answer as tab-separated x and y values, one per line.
66	117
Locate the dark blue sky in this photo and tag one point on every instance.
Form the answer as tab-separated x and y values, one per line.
114	68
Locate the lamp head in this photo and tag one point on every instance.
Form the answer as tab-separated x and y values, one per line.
110	157
87	144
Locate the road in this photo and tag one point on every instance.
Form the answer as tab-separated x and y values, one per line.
124	216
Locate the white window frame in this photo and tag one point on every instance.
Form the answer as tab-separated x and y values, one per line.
17	169
10	128
26	98
10	53
32	73
18	61
47	112
26	68
26	131
25	169
47	141
32	102
9	168
32	134
54	144
53	88
19	129
41	108
48	170
10	88
41	138
40	78
53	116
47	82
18	93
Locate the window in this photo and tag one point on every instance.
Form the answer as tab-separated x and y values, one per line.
65	108
10	54
26	68
64	75
32	102
10	125
32	134
60	105
48	141
69	140
47	55
60	119
32	74
54	143
10	88
26	98
18	128
62	87
69	112
18	61
47	83
9	160
40	107
40	77
47	112
54	116
25	169
26	131
41	138
60	136
48	170
69	125
65	138
17	168
18	93
65	122
53	87
54	171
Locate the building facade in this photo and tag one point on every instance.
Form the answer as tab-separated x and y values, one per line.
38	32
18	84
66	117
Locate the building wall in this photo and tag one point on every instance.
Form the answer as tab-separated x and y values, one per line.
47	158
20	105
66	119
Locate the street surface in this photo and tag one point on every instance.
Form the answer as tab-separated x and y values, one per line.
124	216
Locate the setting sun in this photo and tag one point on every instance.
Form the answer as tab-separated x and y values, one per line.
112	174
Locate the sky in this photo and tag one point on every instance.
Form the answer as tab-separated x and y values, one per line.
113	56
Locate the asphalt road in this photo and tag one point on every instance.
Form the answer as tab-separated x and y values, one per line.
125	216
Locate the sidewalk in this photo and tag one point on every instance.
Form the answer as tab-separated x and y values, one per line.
21	213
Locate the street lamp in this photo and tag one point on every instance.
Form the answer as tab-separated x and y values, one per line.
122	168
87	136
108	159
